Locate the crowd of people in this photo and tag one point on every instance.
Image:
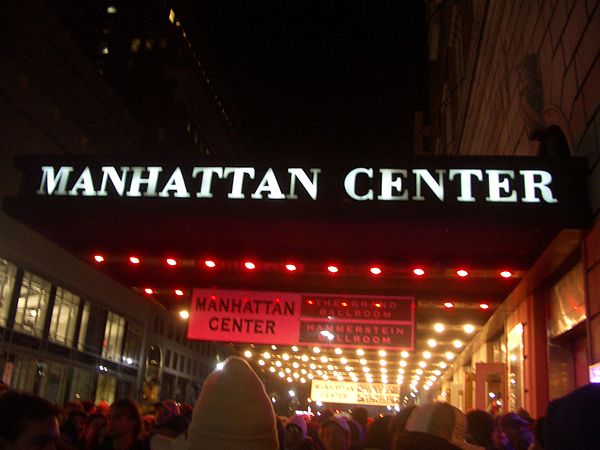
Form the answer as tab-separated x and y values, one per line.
234	412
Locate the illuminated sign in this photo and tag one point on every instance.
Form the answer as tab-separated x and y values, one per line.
384	184
355	393
285	318
512	191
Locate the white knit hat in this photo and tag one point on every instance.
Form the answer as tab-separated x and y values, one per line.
442	420
233	412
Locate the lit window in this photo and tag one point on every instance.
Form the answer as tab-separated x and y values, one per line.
111	10
64	317
32	305
149	43
104	50
114	331
135	45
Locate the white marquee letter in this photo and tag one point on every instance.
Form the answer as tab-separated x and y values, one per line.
118	183
350	183
310	186
238	180
176	183
437	187
531	185
206	184
465	182
137	180
388	183
497	186
84	182
50	181
269	184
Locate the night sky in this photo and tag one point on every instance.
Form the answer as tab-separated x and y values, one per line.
321	77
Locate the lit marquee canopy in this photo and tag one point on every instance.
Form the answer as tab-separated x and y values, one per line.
438	230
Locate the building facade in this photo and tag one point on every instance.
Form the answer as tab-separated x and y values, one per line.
519	78
67	331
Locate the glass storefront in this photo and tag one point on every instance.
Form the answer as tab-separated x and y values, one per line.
106	388
83	383
53	382
24	374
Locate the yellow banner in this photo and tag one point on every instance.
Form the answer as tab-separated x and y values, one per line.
355	393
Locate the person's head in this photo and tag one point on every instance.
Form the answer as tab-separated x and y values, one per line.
28	422
361	415
233	411
439	420
573	421
480	426
295	431
102	407
378	434
335	434
165	410
124	419
357	434
78	419
88	406
398	423
516	429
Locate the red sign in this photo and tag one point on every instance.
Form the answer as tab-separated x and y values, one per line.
285	318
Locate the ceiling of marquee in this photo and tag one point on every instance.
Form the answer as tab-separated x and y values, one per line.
396	248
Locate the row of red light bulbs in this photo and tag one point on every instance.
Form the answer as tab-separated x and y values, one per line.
249	265
180	293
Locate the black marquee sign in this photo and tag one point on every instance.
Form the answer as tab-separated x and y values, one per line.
505	189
